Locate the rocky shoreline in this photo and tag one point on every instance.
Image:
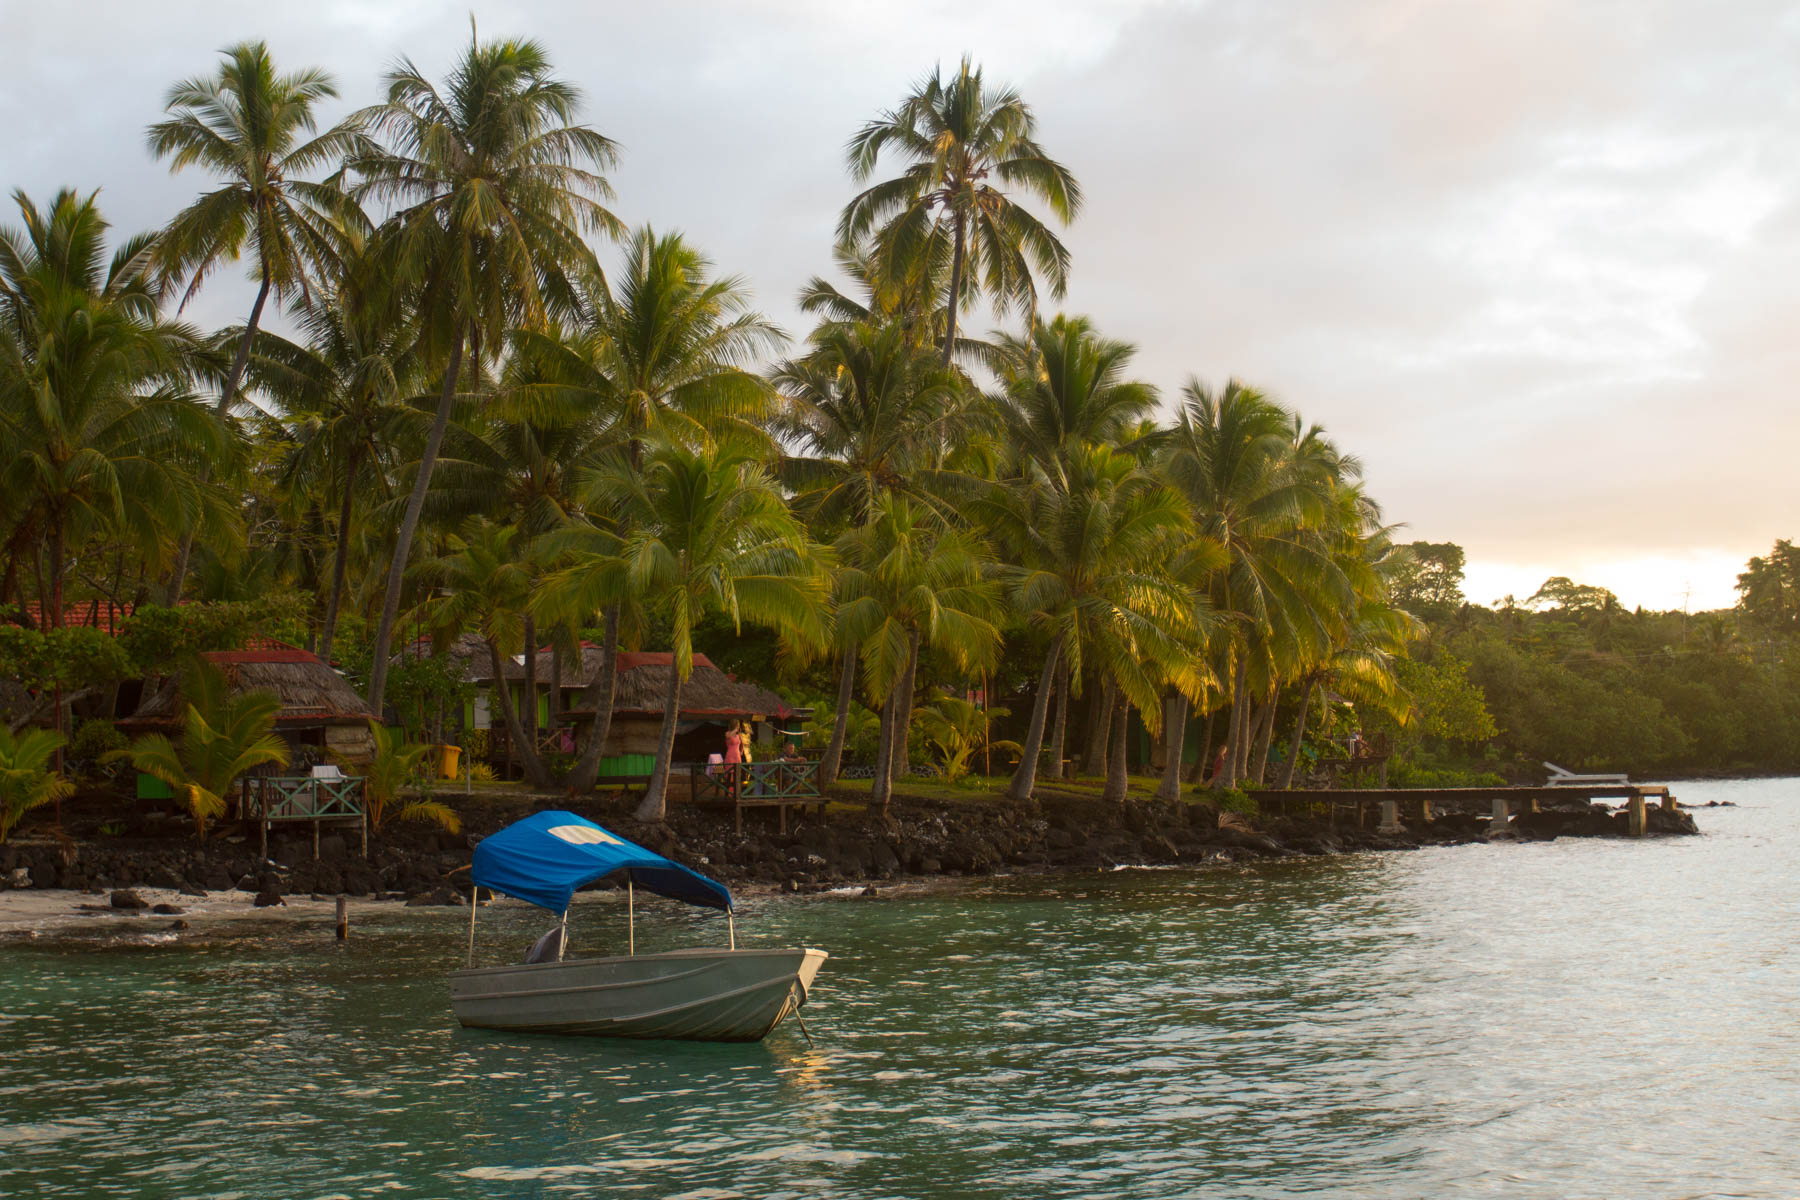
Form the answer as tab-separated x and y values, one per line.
923	839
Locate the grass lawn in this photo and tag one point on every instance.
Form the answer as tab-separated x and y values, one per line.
985	789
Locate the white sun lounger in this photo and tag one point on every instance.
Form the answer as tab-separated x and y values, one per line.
1563	777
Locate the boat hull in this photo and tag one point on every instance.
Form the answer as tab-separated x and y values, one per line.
697	995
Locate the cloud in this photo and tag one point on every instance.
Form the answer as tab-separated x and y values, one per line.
1536	263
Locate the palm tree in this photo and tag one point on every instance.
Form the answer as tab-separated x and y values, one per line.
99	428
867	415
492	187
1262	494
344	391
257	132
486	582
26	778
966	147
907	581
1086	562
709	532
396	766
1063	388
665	354
222	737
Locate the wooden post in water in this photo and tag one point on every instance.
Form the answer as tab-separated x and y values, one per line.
1637	819
343	917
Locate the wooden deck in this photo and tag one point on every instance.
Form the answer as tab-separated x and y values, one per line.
781	785
271	798
1356	804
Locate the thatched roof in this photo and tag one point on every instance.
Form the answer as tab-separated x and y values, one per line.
643	679
643	687
310	692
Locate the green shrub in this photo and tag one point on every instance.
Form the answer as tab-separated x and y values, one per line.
1233	800
88	749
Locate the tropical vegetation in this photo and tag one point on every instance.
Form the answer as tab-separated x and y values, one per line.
467	400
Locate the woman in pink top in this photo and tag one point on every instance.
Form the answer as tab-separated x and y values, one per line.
734	743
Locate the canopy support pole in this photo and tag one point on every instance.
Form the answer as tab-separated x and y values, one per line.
562	937
731	928
630	914
474	903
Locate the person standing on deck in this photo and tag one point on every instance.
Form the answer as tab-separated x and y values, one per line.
736	750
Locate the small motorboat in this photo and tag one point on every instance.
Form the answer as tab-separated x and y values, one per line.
728	995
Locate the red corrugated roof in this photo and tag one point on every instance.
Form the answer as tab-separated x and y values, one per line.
631	659
263	650
102	615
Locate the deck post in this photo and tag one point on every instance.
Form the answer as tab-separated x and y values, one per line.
1668	803
1500	823
343	917
1390	817
474	903
1637	820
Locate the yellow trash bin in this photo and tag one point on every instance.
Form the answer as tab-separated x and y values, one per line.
448	758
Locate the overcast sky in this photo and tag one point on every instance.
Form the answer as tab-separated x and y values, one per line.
1537	263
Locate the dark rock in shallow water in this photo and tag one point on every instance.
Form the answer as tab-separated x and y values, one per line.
178	924
189	889
128	899
269	899
1664	820
442	897
168	910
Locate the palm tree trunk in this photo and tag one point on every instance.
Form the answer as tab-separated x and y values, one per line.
1175	711
883	788
556	666
900	764
178	576
600	695
340	567
409	525
655	805
1265	734
1025	778
840	722
243	351
1100	718
1293	754
1116	779
956	272
1203	761
1227	775
1060	725
525	749
529	718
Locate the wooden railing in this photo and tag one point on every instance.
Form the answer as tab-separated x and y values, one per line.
777	784
312	798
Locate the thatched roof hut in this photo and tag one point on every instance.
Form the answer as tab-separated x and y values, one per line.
317	706
643	687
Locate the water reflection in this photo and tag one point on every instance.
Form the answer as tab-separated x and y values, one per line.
1550	1020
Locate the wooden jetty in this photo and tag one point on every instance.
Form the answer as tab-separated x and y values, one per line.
1392	806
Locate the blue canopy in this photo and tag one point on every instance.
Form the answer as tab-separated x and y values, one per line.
545	857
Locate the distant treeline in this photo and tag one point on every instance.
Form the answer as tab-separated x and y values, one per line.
1572	676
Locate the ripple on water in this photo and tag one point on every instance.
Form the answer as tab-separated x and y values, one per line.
1570	1019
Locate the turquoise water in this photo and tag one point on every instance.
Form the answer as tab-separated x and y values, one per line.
1574	1019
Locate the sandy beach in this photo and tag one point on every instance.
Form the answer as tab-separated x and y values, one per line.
38	911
